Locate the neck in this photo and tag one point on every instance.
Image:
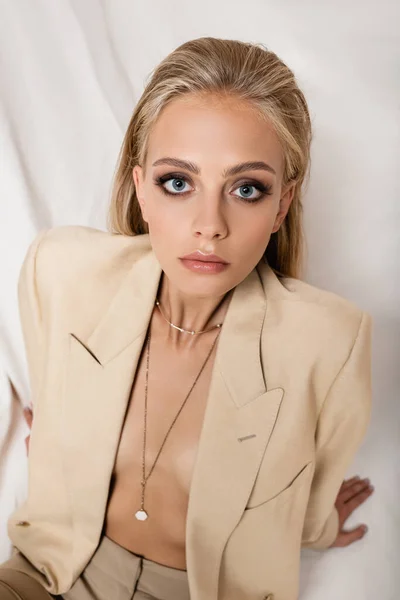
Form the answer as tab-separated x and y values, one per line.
190	313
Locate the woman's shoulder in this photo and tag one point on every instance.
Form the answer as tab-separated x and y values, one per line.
320	298
91	241
317	326
326	312
315	312
77	245
67	253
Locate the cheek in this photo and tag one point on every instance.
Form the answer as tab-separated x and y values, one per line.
166	228
250	239
157	215
255	229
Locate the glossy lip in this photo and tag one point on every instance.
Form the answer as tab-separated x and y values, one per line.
199	256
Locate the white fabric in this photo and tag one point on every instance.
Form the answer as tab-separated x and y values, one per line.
70	73
13	463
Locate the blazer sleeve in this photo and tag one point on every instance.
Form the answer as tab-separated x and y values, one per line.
31	317
342	424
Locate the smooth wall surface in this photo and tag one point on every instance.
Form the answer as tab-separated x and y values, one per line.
70	74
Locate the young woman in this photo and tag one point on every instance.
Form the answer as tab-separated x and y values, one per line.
196	406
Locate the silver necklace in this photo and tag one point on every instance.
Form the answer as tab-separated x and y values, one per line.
218	325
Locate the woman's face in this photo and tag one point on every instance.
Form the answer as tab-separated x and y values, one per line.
212	183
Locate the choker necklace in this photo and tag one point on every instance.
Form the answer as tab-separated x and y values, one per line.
218	325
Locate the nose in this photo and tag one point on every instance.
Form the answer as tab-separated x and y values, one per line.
210	221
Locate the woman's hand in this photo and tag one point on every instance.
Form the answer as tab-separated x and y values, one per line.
28	414
352	494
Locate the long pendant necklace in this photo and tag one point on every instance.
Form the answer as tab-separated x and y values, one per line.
141	514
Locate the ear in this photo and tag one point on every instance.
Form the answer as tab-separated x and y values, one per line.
138	180
284	205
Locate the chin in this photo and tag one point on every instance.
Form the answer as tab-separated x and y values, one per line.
200	285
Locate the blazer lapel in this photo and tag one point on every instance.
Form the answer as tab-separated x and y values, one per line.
238	423
99	379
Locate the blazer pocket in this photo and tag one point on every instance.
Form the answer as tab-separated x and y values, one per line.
287	492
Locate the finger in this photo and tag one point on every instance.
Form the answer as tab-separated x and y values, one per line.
349	482
356	501
345	538
28	414
352	490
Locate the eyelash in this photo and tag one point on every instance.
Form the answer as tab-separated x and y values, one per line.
266	190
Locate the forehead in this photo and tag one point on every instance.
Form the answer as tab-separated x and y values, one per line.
214	130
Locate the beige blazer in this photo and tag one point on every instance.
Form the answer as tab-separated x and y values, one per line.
288	406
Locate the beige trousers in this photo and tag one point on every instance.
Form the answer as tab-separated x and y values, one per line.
113	573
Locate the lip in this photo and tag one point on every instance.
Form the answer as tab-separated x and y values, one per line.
206	258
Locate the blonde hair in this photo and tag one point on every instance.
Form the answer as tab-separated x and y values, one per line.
250	72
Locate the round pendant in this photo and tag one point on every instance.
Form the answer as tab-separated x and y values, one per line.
141	515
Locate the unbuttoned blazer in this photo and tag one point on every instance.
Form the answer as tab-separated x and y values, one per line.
288	406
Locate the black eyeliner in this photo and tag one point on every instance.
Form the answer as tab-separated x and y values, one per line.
265	189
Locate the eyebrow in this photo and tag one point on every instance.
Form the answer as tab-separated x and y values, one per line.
258	165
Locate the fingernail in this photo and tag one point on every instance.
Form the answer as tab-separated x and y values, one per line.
366	480
365	528
371	487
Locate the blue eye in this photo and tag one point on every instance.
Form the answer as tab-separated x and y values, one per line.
172	185
177	185
251	192
247	191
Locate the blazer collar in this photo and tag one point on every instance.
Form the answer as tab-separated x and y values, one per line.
238	350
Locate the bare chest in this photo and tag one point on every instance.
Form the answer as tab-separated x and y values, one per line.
174	423
171	423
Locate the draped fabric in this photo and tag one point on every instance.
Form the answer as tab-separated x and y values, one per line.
70	74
